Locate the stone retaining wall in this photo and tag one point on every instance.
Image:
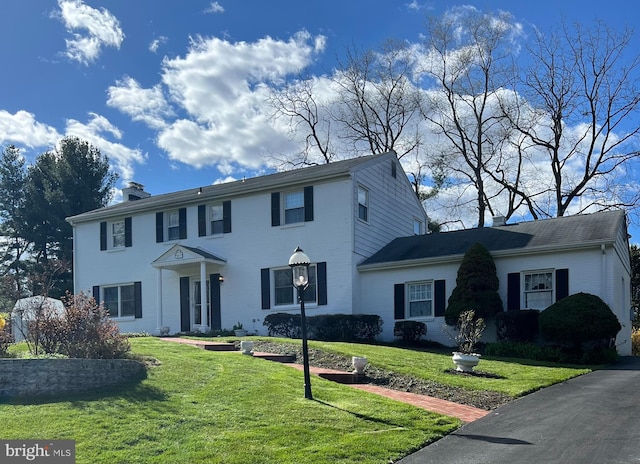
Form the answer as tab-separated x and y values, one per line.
49	377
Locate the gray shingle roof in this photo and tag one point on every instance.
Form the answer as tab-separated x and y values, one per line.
240	187
568	231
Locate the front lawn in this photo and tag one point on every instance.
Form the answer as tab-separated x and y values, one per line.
207	407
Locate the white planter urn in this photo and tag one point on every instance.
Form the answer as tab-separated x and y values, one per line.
164	330
246	347
359	363
465	362
240	332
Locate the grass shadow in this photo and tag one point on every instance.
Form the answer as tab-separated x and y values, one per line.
362	416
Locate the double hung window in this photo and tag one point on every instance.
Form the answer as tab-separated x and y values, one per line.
420	296
173	225
293	207
285	292
119	300
538	289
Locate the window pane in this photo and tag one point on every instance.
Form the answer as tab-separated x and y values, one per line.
127	300
294	215
363	204
283	286
419	308
294	200
110	296
217	227
216	213
310	292
173	219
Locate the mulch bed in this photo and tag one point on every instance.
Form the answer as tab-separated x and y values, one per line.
480	399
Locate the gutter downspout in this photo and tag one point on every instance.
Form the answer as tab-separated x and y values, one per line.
603	268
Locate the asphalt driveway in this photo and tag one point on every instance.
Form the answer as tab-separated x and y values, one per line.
592	419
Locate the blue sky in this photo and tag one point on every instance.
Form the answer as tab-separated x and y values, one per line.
173	91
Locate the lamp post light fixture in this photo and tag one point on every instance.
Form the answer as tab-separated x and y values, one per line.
299	264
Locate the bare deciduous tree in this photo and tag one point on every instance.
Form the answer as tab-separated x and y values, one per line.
583	84
468	59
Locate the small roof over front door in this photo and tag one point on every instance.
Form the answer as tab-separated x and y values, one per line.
181	255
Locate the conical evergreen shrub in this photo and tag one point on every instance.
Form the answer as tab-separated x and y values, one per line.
476	287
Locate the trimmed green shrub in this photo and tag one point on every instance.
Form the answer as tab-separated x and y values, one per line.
512	349
326	327
578	319
517	326
409	332
345	327
283	324
476	287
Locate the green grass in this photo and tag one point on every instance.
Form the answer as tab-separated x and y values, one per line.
207	407
513	377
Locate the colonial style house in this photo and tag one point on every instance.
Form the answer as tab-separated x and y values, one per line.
537	263
153	260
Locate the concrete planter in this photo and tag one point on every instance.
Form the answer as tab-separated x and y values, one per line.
465	362
359	363
246	347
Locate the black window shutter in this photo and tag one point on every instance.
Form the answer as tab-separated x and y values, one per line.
96	294
128	238
202	220
308	203
159	227
265	288
398	301
103	236
321	275
182	222
513	291
562	283
137	296
275	208
439	298
185	310
214	298
226	217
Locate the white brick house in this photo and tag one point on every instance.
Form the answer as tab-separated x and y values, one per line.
537	263
146	258
363	228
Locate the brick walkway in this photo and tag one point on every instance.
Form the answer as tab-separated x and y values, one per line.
463	412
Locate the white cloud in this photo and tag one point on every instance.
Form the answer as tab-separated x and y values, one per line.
214	8
221	89
22	129
98	132
155	44
146	105
98	28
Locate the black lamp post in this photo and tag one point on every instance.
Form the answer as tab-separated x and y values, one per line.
299	263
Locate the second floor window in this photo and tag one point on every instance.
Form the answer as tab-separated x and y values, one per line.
173	225
217	219
293	207
363	204
117	234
